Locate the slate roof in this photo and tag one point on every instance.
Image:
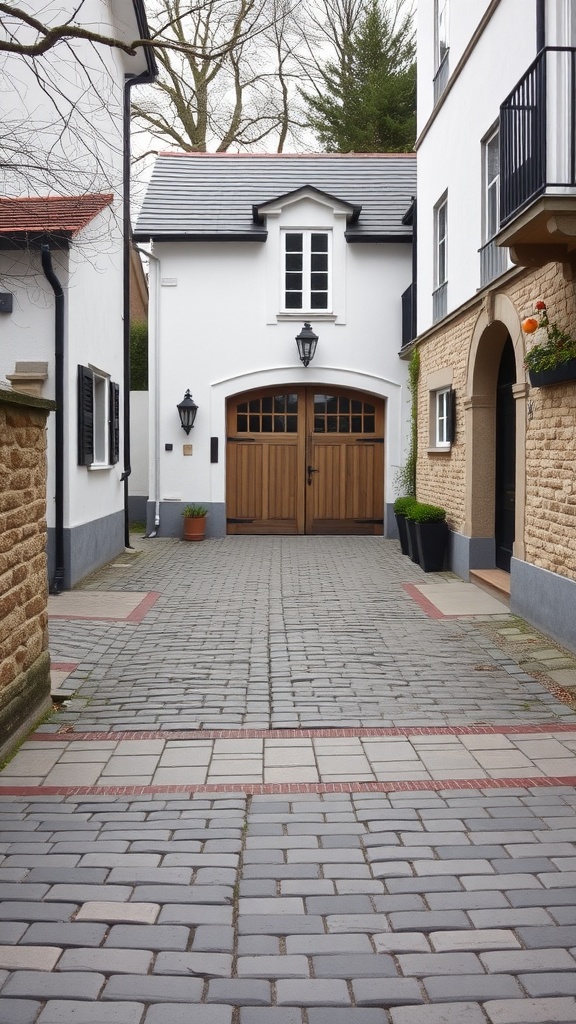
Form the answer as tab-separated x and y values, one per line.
211	196
61	215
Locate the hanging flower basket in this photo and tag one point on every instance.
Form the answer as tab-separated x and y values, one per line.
560	374
553	360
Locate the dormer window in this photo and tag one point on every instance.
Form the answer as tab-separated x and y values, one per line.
306	282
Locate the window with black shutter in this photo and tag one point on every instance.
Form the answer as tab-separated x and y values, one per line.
85	416
98	419
114	402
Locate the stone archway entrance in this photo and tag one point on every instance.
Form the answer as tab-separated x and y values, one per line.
505	445
495	432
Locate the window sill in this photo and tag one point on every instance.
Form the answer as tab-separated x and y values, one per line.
445	449
96	467
301	314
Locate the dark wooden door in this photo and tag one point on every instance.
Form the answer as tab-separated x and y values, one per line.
303	460
505	458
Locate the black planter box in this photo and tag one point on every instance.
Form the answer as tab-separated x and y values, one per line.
412	540
558	375
402	533
432	541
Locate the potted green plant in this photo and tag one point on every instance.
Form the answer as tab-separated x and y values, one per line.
429	525
553	360
401	506
194	522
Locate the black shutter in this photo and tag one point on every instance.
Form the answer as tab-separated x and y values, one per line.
85	417
451	425
114	422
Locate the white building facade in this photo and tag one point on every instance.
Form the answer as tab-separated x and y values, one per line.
247	250
496	216
62	270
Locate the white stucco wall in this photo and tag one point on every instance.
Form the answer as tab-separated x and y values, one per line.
450	153
216	329
95	338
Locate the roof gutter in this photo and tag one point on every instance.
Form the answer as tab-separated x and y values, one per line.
46	260
145	78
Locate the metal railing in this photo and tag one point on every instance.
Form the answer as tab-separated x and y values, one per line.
537	131
494	261
440	302
408	315
441	77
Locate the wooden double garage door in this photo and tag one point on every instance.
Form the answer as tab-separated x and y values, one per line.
305	460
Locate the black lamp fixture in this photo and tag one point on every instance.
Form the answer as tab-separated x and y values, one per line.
187	410
306	342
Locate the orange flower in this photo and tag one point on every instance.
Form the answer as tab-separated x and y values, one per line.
529	325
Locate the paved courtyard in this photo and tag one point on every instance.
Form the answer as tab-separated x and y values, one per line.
291	781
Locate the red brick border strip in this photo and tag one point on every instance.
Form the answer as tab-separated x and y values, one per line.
431	610
269	788
136	615
246	734
64	666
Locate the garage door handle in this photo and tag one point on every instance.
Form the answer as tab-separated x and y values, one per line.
310	471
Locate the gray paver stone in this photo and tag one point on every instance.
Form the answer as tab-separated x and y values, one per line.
315	992
18	1011
285	924
147	936
424	964
439	1013
386	991
213	939
70	1012
359	965
160	1013
273	967
64	934
42	985
205	965
271	1015
515	961
316	945
531	1011
472	986
106	961
239	992
333	1015
153	988
549	984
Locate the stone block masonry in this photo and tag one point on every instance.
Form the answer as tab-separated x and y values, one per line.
24	659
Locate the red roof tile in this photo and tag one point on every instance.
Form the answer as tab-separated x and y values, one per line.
53	214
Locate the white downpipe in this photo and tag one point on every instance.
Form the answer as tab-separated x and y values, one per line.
154	379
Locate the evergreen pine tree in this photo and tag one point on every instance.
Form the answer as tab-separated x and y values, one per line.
369	103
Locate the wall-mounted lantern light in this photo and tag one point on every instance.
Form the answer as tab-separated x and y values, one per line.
306	342
187	410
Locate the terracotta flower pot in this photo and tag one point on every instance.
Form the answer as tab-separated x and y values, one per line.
194	527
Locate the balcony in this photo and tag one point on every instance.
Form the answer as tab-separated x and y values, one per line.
408	315
441	77
440	303
538	162
494	261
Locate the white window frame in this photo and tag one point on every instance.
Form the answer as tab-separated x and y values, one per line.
101	422
441	242
441	36
491	188
442	400
306	306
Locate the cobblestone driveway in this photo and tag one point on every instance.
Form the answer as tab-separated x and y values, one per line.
431	899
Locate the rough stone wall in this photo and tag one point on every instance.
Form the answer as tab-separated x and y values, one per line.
550	531
550	512
441	476
24	662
